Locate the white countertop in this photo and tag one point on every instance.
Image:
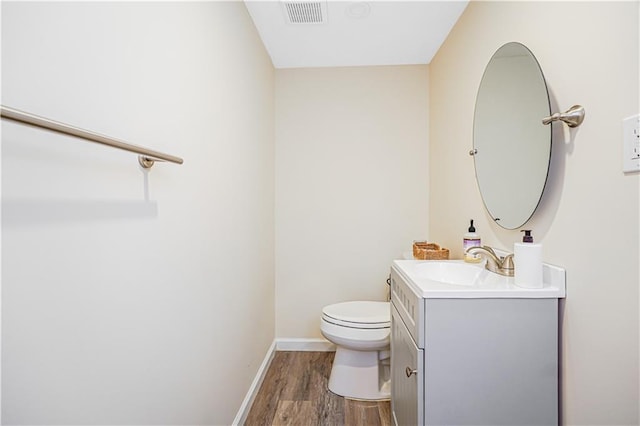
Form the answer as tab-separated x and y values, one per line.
492	286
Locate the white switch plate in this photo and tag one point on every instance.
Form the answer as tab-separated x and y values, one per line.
631	144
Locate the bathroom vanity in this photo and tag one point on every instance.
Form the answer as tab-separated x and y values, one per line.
470	347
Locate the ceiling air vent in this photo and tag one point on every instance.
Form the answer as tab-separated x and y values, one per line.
305	12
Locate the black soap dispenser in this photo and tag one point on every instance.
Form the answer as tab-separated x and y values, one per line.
528	238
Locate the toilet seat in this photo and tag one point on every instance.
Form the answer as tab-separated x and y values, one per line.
359	314
361	339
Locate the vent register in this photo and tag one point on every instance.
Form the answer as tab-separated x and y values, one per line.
305	12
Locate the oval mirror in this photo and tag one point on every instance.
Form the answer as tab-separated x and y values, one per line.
512	148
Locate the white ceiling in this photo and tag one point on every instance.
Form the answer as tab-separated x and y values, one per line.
356	33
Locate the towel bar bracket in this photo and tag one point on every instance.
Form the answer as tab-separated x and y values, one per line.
145	162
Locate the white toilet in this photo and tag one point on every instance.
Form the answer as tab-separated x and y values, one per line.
360	331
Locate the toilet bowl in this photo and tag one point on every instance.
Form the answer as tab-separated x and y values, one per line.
360	331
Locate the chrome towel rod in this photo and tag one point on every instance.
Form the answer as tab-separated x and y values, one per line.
146	157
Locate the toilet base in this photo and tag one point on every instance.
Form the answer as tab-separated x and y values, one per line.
360	374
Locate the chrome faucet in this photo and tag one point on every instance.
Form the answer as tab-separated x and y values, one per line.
498	264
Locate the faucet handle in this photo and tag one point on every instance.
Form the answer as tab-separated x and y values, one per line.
490	250
507	262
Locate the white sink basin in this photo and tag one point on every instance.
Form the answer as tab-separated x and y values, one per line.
458	279
450	272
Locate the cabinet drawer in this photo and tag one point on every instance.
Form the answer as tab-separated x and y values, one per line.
409	305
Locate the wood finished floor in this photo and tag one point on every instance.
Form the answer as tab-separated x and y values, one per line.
294	392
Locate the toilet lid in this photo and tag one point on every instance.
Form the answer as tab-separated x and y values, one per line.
361	313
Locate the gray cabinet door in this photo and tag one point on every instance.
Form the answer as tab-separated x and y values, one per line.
407	384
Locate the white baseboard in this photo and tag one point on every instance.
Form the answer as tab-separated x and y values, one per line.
241	417
304	344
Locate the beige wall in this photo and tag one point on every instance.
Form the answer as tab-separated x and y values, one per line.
351	184
127	297
588	220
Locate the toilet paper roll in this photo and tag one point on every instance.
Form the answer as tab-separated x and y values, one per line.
527	258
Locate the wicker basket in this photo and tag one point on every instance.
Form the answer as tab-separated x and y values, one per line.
424	250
